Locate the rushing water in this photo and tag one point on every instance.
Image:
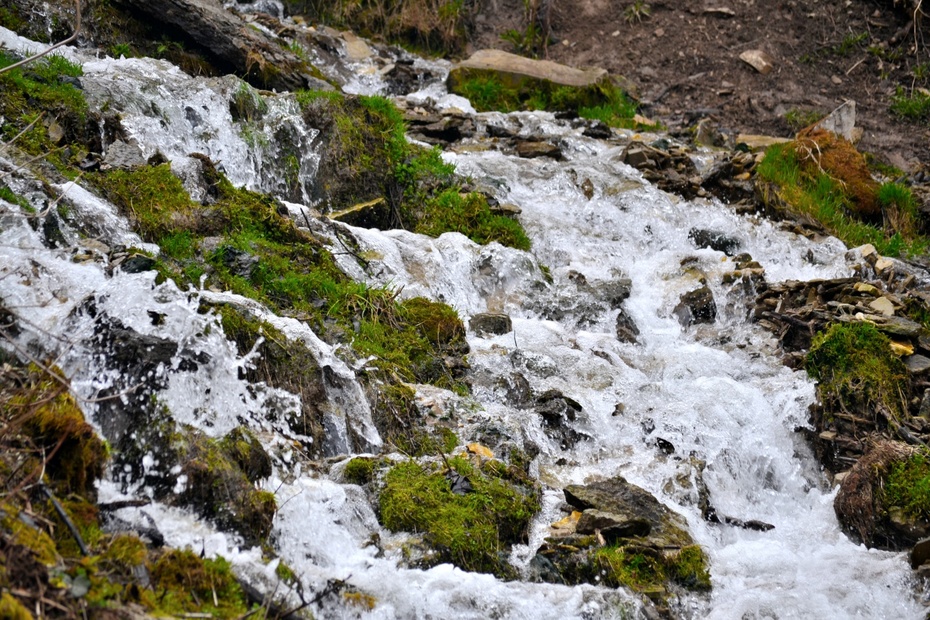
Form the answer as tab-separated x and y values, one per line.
718	393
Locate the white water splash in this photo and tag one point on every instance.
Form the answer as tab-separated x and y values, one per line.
718	392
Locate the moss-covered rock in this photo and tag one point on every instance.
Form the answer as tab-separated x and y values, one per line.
497	80
621	536
367	161
469	515
51	423
190	584
218	488
884	500
857	372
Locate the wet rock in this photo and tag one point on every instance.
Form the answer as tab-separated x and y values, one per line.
490	324
559	413
248	51
530	149
630	523
611	526
238	262
626	328
137	263
697	306
403	77
715	240
917	364
920	553
195	174
627	501
123	156
598	130
440	129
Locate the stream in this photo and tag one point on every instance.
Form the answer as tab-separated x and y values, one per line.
710	401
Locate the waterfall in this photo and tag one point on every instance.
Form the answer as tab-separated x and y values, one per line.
683	407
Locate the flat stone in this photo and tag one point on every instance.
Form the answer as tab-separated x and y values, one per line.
532	150
841	121
124	156
356	49
917	364
899	326
758	60
505	62
883	306
901	349
593	520
490	324
627	502
883	264
862	287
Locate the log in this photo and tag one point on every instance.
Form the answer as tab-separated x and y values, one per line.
252	54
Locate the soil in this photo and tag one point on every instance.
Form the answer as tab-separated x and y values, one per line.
683	58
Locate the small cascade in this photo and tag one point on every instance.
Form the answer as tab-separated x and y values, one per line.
691	413
259	141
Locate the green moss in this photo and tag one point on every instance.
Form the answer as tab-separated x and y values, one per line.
285	573
55	422
40	543
621	567
11	609
84	516
914	106
908	487
472	530
367	158
7	194
857	371
124	553
37	88
411	340
185	583
220	490
469	214
690	569
360	470
247	452
818	195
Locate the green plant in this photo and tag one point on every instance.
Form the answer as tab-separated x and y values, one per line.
636	11
818	195
799	119
850	43
121	49
857	371
913	105
471	529
921	72
33	91
532	39
908	486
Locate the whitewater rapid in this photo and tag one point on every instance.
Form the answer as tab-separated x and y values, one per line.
718	393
